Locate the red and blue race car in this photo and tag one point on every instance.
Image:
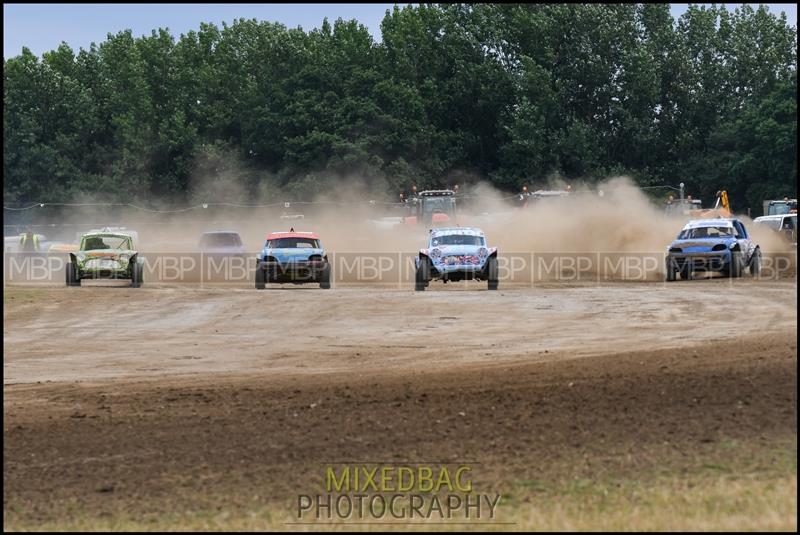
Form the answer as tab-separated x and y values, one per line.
294	257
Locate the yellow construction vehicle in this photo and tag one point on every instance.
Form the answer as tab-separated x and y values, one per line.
722	208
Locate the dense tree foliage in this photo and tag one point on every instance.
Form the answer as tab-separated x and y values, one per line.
512	94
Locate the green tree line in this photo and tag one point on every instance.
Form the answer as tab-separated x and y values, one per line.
510	94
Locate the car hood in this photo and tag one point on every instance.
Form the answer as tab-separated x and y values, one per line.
458	250
292	254
104	258
701	245
453	255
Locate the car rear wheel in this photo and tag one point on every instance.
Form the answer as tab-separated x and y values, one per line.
325	281
492	273
72	275
137	278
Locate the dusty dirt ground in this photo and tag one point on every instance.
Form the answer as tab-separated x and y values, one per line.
144	403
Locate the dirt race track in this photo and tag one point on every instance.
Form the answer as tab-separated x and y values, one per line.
175	405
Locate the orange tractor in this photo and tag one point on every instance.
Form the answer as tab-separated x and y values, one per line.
431	207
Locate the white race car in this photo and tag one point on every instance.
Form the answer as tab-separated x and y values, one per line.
456	253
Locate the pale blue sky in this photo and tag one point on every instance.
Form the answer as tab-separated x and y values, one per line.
42	27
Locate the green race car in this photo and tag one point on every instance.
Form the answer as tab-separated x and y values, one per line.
105	255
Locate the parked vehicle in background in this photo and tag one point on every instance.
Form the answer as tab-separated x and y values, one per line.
784	206
785	225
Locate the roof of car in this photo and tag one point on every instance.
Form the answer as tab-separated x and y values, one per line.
113	230
769	217
221	232
107	234
276	235
700	223
467	231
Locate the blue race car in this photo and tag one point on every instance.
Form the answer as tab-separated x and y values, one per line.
713	245
296	257
454	254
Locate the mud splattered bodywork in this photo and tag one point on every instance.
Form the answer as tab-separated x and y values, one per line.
712	245
105	255
455	254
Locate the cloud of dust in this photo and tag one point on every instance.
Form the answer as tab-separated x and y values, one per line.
620	220
353	215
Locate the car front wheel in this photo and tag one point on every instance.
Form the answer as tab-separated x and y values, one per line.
72	275
736	265
423	275
671	274
261	277
492	273
755	263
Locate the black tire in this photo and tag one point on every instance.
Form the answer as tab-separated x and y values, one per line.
137	275
672	274
72	275
755	263
492	273
736	265
325	281
261	277
686	272
423	274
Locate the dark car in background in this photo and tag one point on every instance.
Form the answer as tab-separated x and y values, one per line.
221	241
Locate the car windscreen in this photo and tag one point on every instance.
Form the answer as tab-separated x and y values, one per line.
92	243
457	239
220	239
774	224
780	208
443	205
699	233
293	243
